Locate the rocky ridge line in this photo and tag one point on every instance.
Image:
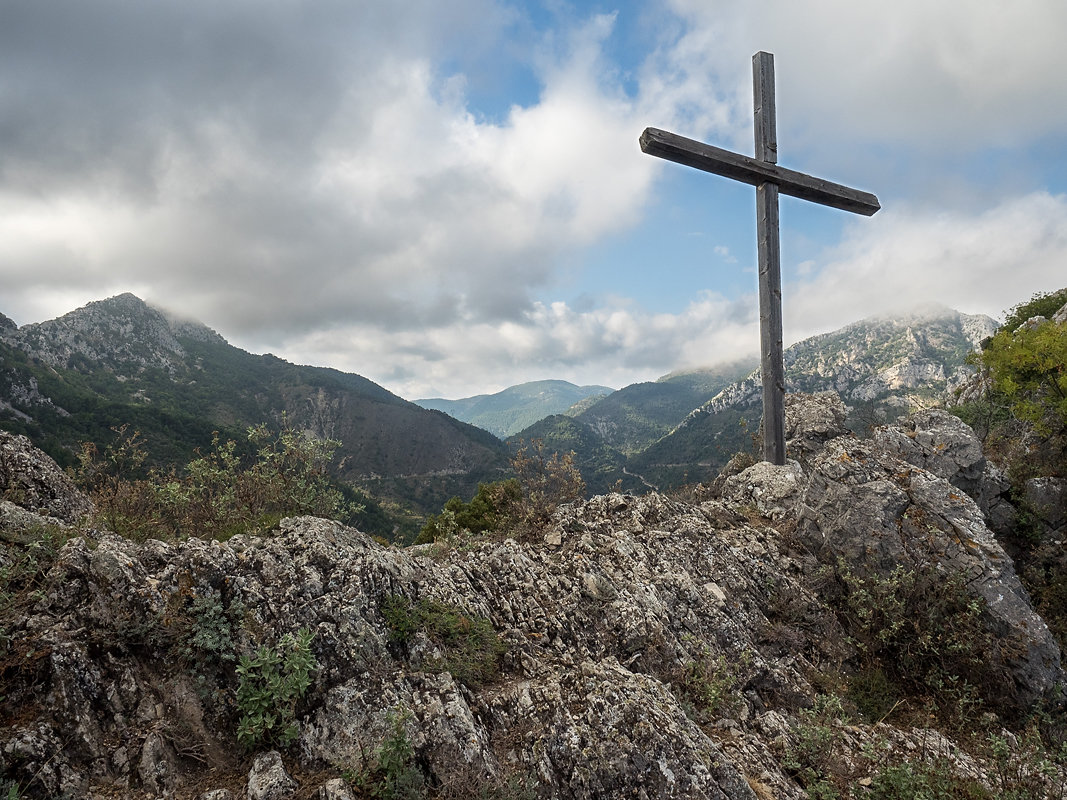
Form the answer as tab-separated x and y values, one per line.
601	620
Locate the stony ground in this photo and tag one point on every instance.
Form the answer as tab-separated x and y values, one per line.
639	647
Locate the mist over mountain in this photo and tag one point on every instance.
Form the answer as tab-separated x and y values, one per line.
881	367
120	361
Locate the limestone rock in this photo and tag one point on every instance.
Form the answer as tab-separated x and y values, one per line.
770	489
1047	498
33	481
268	779
811	420
877	513
334	789
611	631
940	443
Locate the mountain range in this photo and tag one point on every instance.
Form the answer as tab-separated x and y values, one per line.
882	367
509	411
121	361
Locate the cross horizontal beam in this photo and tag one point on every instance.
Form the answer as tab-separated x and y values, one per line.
752	171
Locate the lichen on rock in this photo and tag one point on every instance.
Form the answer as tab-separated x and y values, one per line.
643	647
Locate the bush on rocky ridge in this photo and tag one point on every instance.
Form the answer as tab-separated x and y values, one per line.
607	628
216	494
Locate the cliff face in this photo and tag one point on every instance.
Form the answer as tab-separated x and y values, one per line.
639	647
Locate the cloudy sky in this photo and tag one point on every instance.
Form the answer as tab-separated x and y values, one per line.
449	198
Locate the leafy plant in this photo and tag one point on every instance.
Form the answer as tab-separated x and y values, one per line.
1028	366
1040	304
810	753
708	682
392	774
546	481
472	649
271	684
925	633
489	510
923	780
24	565
218	493
1027	768
541	484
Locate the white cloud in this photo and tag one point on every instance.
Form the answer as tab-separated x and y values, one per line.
899	259
928	73
312	180
614	346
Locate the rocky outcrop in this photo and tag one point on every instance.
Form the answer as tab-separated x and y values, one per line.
642	647
122	330
34	482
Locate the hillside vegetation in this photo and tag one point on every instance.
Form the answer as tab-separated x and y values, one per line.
121	362
844	627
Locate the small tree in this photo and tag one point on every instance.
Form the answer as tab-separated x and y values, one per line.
218	493
546	482
489	510
1028	366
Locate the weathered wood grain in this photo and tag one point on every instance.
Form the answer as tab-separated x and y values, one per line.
746	169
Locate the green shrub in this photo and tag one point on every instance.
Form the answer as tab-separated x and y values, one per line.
1028	768
217	494
936	780
708	682
393	774
874	694
24	565
271	684
926	633
489	510
810	754
472	649
1029	368
1039	305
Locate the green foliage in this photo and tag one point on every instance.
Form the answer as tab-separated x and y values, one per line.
922	780
810	752
218	493
271	684
201	636
926	634
1028	367
489	510
393	773
546	482
1027	768
600	464
471	647
874	694
1040	304
708	683
24	565
525	502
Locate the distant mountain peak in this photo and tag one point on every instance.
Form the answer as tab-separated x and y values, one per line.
121	330
509	411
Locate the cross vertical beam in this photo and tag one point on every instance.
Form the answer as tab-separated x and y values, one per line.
772	365
769	179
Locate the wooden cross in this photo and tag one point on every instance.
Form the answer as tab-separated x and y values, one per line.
769	179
